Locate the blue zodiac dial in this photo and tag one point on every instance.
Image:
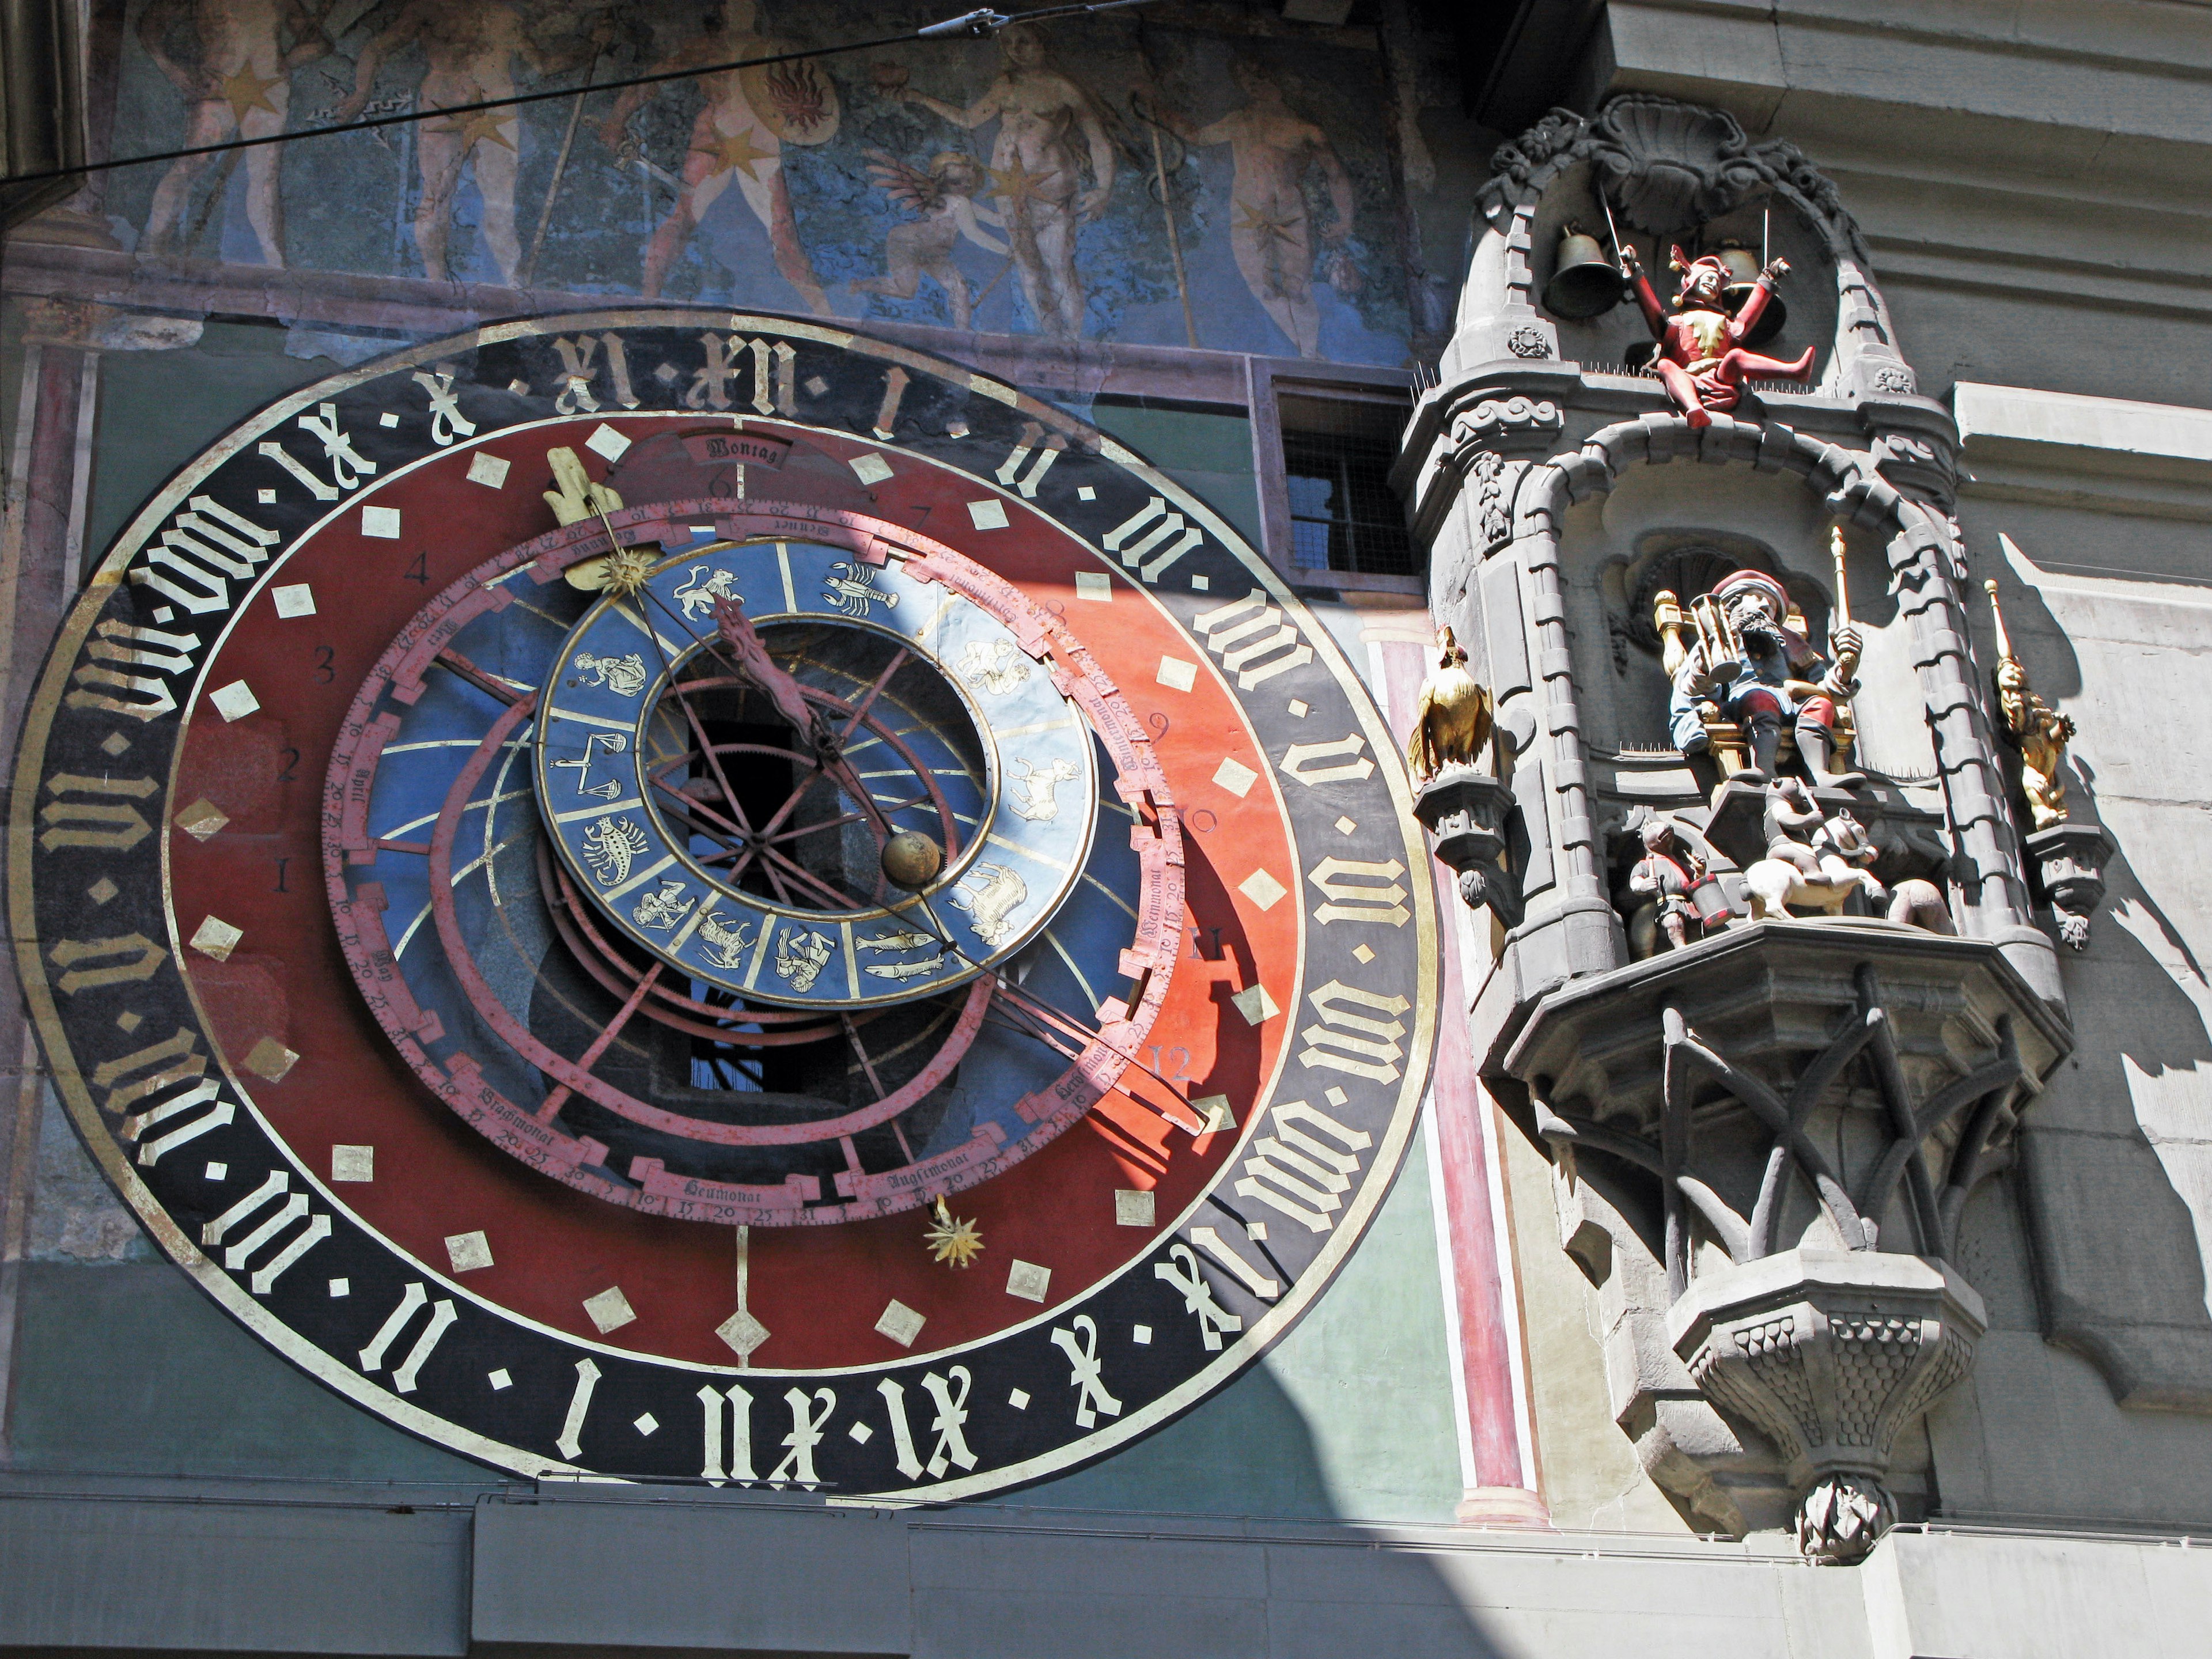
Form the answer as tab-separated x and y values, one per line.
733	737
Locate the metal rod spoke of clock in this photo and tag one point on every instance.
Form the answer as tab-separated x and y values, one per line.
738	845
867	1064
1057	1022
899	658
601	1043
489	684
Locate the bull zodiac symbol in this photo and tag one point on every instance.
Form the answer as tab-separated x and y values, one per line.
990	903
698	598
1036	796
624	675
854	591
994	664
725	946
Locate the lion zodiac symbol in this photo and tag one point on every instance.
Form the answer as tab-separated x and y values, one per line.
698	598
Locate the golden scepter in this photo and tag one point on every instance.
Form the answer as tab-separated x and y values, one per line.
1845	666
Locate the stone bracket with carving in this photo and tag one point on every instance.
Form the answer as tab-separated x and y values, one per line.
1465	814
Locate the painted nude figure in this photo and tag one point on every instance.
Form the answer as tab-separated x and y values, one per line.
1048	127
1702	358
471	52
739	138
236	80
944	196
1270	230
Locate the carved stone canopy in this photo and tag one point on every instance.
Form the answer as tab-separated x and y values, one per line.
1856	1073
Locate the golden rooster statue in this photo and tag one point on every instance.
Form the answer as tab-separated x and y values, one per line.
1452	719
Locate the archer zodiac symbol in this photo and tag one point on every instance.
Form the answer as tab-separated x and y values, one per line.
611	847
698	598
802	965
991	903
1036	796
610	742
725	946
661	909
854	591
994	664
624	675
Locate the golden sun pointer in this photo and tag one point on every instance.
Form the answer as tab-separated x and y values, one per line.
953	1241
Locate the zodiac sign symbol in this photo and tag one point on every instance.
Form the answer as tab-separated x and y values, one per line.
900	969
726	946
1034	798
661	909
994	664
611	847
899	939
698	598
991	903
802	965
612	743
624	675
854	591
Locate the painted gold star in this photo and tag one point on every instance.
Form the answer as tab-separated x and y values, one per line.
1269	227
479	126
1017	187
245	92
736	149
955	1243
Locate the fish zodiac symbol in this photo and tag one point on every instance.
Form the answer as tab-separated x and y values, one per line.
854	591
611	847
994	664
698	598
800	956
661	909
898	939
991	903
725	946
1035	797
624	675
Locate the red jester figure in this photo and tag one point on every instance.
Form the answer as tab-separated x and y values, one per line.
1701	355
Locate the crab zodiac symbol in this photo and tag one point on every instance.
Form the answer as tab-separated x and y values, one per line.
624	675
698	598
994	664
1036	796
855	590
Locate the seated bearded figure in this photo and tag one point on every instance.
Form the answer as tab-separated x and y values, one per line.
1763	674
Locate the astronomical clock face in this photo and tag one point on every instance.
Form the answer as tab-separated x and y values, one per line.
574	876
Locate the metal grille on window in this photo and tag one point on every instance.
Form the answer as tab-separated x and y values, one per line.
1336	466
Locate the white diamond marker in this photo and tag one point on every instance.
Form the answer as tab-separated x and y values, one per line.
217	937
1028	1281
490	470
901	1323
234	701
608	442
1236	777
293	600
1176	674
468	1252
381	522
1262	888
610	1310
989	514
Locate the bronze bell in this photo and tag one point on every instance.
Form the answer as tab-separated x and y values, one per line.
1584	283
1743	275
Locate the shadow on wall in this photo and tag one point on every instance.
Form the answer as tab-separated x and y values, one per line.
2116	1153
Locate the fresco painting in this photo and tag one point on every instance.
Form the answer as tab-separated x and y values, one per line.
1103	179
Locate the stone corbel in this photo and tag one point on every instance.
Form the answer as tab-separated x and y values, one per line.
1465	812
2069	862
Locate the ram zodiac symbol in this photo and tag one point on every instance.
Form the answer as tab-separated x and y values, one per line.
990	904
